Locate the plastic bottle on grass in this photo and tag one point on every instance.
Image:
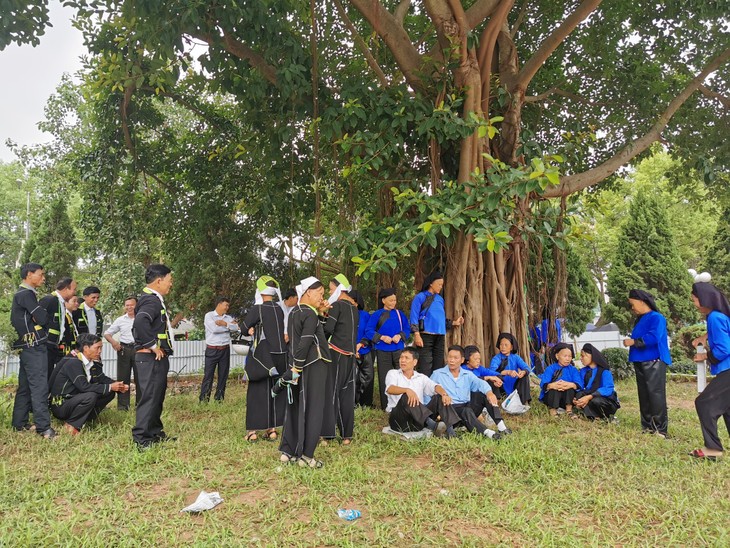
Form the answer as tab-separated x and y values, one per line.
349	515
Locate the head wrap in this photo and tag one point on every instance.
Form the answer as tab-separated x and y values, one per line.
511	339
305	284
557	348
641	295
711	297
264	287
343	284
386	292
357	297
598	358
435	275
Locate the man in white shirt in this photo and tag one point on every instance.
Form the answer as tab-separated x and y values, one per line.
218	329
406	390
286	304
124	346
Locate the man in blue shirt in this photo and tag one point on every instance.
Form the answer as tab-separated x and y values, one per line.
469	395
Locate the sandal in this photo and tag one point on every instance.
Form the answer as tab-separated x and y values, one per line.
573	416
271	435
310	462
252	437
700	454
287	459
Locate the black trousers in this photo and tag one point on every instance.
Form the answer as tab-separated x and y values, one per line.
386	362
556	399
711	404
431	355
600	408
498	390
53	355
32	394
125	366
79	409
523	388
469	412
304	412
365	379
404	418
222	359
651	382
152	384
339	406
479	402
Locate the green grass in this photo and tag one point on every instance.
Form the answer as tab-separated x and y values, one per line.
554	482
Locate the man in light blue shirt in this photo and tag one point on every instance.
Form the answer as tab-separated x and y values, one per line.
469	395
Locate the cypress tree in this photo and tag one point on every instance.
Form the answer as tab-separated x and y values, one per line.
647	258
717	258
52	243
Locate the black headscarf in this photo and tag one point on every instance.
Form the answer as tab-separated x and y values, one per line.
435	275
511	339
711	297
641	295
386	292
557	348
357	297
598	358
601	366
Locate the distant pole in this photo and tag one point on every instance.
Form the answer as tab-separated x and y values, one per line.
701	369
27	215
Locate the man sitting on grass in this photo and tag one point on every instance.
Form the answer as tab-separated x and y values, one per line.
469	394
79	387
406	390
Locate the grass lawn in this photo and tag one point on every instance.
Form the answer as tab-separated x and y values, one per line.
554	482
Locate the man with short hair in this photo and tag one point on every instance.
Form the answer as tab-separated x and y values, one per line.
87	318
288	301
79	388
470	394
124	347
153	344
218	328
55	305
28	318
407	389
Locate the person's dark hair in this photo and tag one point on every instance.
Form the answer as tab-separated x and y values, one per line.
91	290
315	285
357	297
64	283
291	292
384	294
87	339
155	271
29	268
435	275
469	350
130	298
457	348
222	299
412	350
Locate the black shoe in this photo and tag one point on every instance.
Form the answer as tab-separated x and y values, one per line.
48	434
164	438
505	432
25	428
143	446
497	436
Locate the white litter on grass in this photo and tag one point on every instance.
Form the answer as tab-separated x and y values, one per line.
425	433
205	501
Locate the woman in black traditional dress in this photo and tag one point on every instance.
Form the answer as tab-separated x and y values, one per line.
265	321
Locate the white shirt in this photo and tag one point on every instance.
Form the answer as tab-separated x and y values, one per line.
122	325
287	310
91	319
219	335
419	383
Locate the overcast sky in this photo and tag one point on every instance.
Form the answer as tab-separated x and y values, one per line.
30	76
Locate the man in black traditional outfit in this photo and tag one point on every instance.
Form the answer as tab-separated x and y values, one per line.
265	321
341	328
310	356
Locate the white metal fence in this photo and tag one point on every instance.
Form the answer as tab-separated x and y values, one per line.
188	359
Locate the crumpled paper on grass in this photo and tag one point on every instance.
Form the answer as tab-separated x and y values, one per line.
205	501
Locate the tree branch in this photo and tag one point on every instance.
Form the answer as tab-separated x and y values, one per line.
396	38
401	10
360	43
519	20
556	38
573	183
479	11
557	91
714	95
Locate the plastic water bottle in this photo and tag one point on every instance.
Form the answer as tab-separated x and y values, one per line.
349	515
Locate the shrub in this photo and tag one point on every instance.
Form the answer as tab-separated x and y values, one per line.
682	348
618	360
684	366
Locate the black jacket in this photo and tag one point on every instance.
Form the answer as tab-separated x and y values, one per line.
150	323
82	325
307	340
28	318
52	304
69	379
341	326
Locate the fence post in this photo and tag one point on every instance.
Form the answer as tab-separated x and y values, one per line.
701	369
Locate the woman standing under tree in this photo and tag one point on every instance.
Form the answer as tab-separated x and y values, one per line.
714	401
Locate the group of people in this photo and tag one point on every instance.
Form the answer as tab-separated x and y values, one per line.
312	363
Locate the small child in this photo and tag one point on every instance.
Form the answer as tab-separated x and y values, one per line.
560	381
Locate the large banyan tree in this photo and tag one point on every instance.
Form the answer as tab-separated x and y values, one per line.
449	133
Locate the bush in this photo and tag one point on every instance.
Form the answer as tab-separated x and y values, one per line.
618	360
682	348
684	366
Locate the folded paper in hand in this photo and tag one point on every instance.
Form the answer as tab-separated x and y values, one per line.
205	501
